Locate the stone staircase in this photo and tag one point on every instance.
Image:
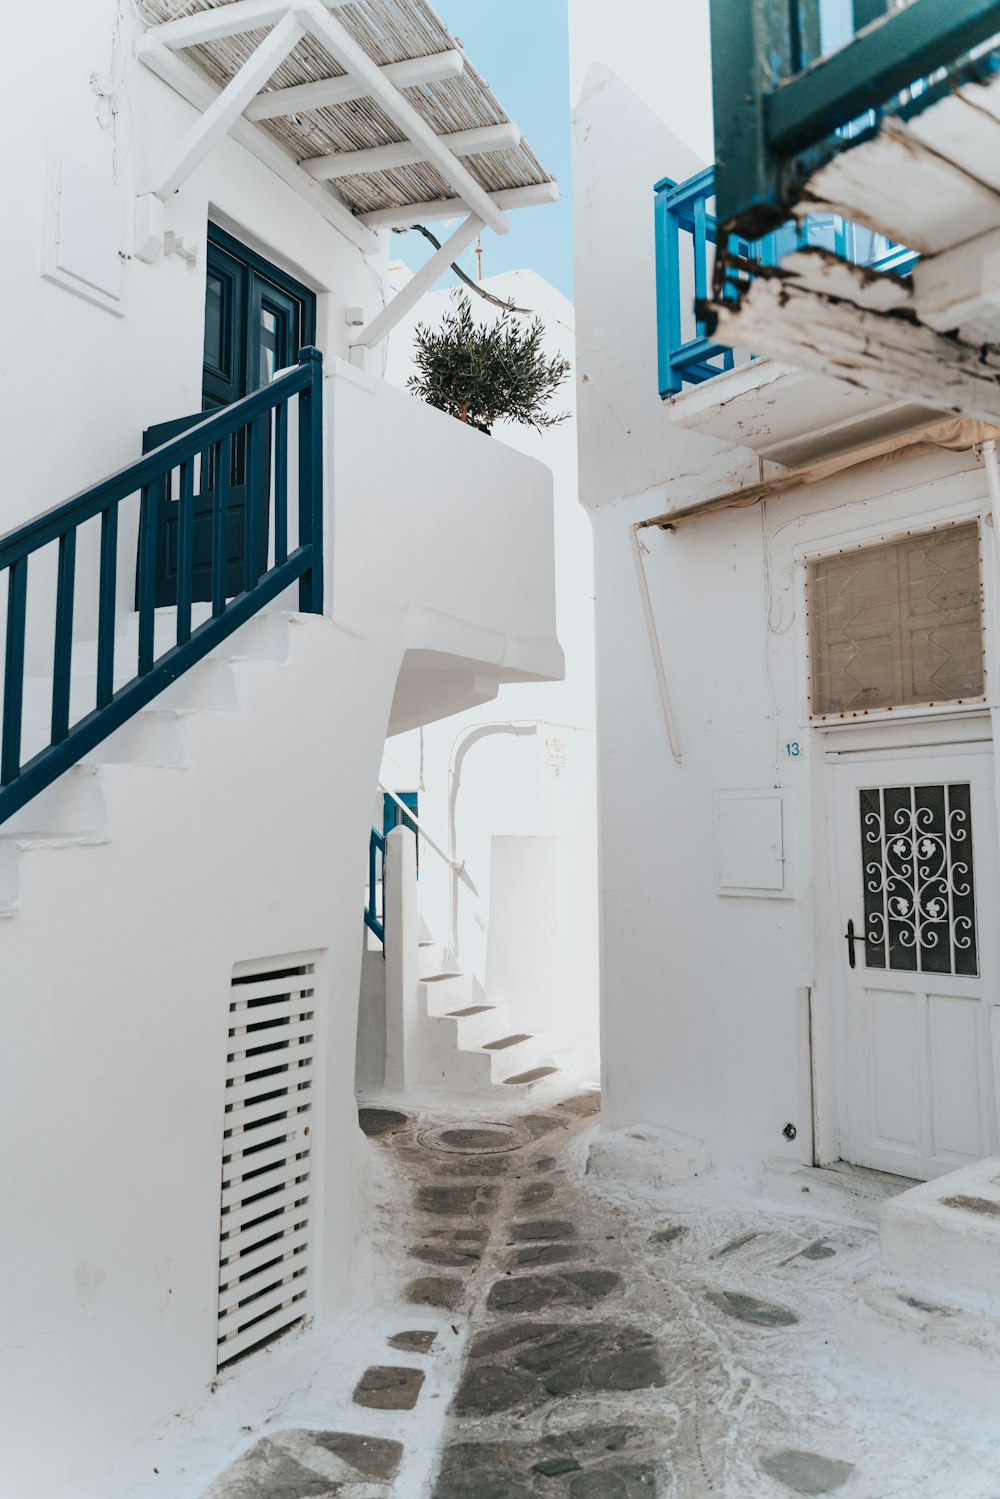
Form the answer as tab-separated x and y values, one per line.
75	810
467	1046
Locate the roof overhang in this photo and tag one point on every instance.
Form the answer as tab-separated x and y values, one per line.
367	108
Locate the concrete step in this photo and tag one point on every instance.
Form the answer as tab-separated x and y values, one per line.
845	1192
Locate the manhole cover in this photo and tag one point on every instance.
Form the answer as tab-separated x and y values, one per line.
475	1139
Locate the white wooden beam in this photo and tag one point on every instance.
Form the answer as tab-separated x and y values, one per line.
218	119
326	92
191	83
219	22
781	316
428	273
450	208
351	55
405	153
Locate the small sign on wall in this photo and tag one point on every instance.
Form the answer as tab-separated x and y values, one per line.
750	843
84	233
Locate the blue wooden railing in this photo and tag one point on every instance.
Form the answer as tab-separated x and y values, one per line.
376	881
682	209
237	428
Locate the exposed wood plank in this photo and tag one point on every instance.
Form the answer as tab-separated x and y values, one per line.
451	208
961	289
894	185
192	84
327	92
963	134
215	122
405	153
782	316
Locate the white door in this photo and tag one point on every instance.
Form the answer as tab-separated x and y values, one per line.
916	951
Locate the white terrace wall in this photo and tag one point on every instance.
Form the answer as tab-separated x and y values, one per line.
510	786
701	1003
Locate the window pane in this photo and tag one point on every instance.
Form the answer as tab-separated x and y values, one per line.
897	624
213	323
268	345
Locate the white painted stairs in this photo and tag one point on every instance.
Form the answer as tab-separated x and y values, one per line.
74	810
930	1314
465	1045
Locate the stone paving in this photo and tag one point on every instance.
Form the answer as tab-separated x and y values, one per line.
612	1348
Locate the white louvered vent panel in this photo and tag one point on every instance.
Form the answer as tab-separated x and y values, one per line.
266	1189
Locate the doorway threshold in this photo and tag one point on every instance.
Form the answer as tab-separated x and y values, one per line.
838	1190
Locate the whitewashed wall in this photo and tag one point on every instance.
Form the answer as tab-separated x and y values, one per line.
84	382
115	966
700	1007
510	786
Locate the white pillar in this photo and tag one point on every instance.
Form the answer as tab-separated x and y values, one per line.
402	952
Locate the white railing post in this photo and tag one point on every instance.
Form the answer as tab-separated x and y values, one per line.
401	921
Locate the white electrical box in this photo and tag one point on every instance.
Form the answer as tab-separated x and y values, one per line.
750	843
84	244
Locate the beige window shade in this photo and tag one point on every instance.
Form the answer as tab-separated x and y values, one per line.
897	624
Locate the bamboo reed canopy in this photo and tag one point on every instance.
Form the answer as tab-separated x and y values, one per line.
405	39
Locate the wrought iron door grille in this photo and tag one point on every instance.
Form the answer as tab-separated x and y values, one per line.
266	1156
920	900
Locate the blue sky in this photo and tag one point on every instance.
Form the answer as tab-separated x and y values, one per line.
520	48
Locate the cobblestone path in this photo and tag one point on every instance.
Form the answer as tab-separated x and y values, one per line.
605	1346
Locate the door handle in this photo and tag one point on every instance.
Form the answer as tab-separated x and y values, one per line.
850	938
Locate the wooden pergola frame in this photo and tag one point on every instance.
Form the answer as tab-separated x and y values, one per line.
238	108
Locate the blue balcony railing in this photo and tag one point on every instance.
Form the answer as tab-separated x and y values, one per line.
83	709
686	243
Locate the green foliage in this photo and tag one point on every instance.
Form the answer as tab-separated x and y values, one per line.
485	373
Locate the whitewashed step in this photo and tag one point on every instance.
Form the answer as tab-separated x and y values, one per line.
443	993
531	1081
73	806
433	958
474	1025
844	1192
944	1236
481	1070
512	1055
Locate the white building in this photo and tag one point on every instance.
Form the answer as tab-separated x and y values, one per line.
505	797
178	230
796	579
